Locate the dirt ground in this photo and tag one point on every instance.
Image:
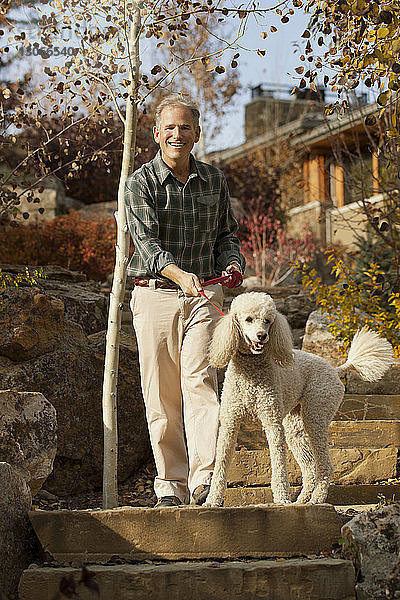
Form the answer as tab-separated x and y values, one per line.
137	491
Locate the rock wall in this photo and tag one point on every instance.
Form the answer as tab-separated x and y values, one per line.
41	350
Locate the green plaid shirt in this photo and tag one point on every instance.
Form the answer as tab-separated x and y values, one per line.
190	225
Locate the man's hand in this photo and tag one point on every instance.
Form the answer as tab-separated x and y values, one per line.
188	282
232	268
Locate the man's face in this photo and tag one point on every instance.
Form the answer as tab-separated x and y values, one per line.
176	133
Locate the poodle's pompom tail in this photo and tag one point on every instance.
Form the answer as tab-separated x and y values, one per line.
370	355
224	342
281	341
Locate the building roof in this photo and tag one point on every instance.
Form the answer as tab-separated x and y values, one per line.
311	130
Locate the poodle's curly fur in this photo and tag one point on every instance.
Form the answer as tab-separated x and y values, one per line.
295	394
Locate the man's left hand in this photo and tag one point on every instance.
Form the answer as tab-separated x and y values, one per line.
237	278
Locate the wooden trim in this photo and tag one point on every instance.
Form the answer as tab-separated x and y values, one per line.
375	172
321	165
306	177
339	186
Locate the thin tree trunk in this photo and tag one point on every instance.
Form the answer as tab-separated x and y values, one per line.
110	487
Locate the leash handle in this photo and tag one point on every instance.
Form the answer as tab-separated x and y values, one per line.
216	280
230	281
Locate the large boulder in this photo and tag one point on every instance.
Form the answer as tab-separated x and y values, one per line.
373	542
319	340
28	438
297	309
83	301
42	351
18	543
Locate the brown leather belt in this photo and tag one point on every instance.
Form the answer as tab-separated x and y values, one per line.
158	284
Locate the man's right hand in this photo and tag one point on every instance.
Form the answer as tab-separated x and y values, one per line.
188	282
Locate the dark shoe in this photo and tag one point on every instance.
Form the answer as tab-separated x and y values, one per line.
167	501
200	494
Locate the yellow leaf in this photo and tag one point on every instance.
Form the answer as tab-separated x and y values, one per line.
382	32
383	98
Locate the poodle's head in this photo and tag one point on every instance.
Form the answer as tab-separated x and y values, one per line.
253	326
254	314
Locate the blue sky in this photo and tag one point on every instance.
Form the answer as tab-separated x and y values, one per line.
276	67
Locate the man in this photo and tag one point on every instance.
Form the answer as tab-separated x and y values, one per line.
184	232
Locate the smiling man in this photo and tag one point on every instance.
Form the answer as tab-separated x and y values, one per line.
184	232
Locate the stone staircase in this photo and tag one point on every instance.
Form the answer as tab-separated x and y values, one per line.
364	440
244	553
247	550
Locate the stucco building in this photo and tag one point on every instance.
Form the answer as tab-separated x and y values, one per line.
339	166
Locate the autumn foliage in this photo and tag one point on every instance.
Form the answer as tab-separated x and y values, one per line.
268	248
352	302
74	241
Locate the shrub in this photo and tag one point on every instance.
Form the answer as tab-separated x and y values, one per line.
372	249
8	280
352	304
74	241
269	250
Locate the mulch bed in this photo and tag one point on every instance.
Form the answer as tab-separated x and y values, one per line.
136	491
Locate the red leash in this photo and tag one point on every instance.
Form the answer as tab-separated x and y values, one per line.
229	281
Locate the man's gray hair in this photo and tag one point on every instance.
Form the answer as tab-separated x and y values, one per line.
178	100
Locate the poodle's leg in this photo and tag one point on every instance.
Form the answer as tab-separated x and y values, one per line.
299	443
324	467
277	447
227	437
317	431
318	409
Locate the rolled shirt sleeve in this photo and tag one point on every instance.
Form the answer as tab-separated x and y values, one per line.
144	228
227	245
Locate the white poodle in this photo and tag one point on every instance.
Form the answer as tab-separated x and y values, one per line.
294	394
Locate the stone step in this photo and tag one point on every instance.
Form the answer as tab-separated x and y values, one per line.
188	532
368	407
315	579
342	434
338	494
352	465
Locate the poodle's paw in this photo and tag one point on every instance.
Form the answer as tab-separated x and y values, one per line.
208	504
303	498
319	497
282	501
214	500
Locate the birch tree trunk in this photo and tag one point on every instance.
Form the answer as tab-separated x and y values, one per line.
110	464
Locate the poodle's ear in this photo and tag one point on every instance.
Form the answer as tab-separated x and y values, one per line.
281	341
224	342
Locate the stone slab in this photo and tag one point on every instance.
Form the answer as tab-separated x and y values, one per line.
186	532
352	465
389	384
342	434
357	407
338	494
364	434
324	579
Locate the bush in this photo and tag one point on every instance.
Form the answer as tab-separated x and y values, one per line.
268	249
74	241
352	304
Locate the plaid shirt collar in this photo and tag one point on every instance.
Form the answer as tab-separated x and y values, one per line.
162	170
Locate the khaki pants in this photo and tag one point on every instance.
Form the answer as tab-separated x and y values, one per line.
178	385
